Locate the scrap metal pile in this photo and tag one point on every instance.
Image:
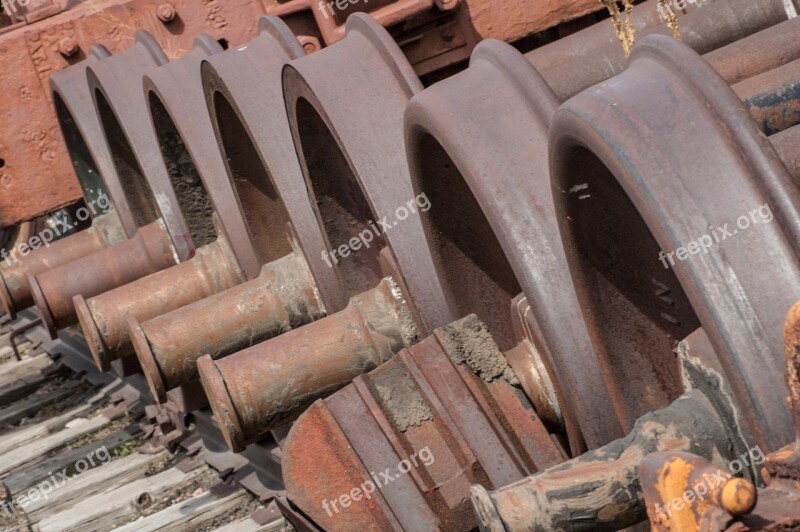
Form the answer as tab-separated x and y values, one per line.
548	291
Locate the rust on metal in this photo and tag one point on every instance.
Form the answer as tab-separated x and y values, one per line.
431	33
591	56
602	486
15	293
474	161
34	175
209	204
425	406
196	167
307	95
104	318
282	298
778	502
269	384
491	231
338	144
686	493
149	251
773	98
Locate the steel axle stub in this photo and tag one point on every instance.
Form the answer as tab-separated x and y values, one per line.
104	318
208	201
15	292
244	93
602	485
628	193
270	384
145	185
149	251
282	298
97	175
338	147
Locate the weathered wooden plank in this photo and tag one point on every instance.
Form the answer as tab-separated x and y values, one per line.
116	473
93	454
117	505
37	450
22	387
7	352
18	437
22	378
15	370
188	515
15	413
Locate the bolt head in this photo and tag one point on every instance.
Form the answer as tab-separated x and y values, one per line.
166	12
67	46
309	43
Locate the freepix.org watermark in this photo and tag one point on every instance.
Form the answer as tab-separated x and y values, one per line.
366	489
12	6
341	5
666	9
701	488
761	215
100	205
365	237
55	481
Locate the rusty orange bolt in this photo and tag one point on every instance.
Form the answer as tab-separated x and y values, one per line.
166	12
739	496
67	46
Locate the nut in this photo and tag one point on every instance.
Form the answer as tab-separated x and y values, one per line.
67	46
166	12
310	43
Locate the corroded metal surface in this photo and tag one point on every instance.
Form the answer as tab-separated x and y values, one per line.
83	134
104	318
477	147
149	251
460	427
577	62
176	99
308	158
484	168
282	298
602	485
115	84
713	499
773	98
207	201
15	293
778	503
34	176
338	145
269	384
431	33
337	155
349	195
